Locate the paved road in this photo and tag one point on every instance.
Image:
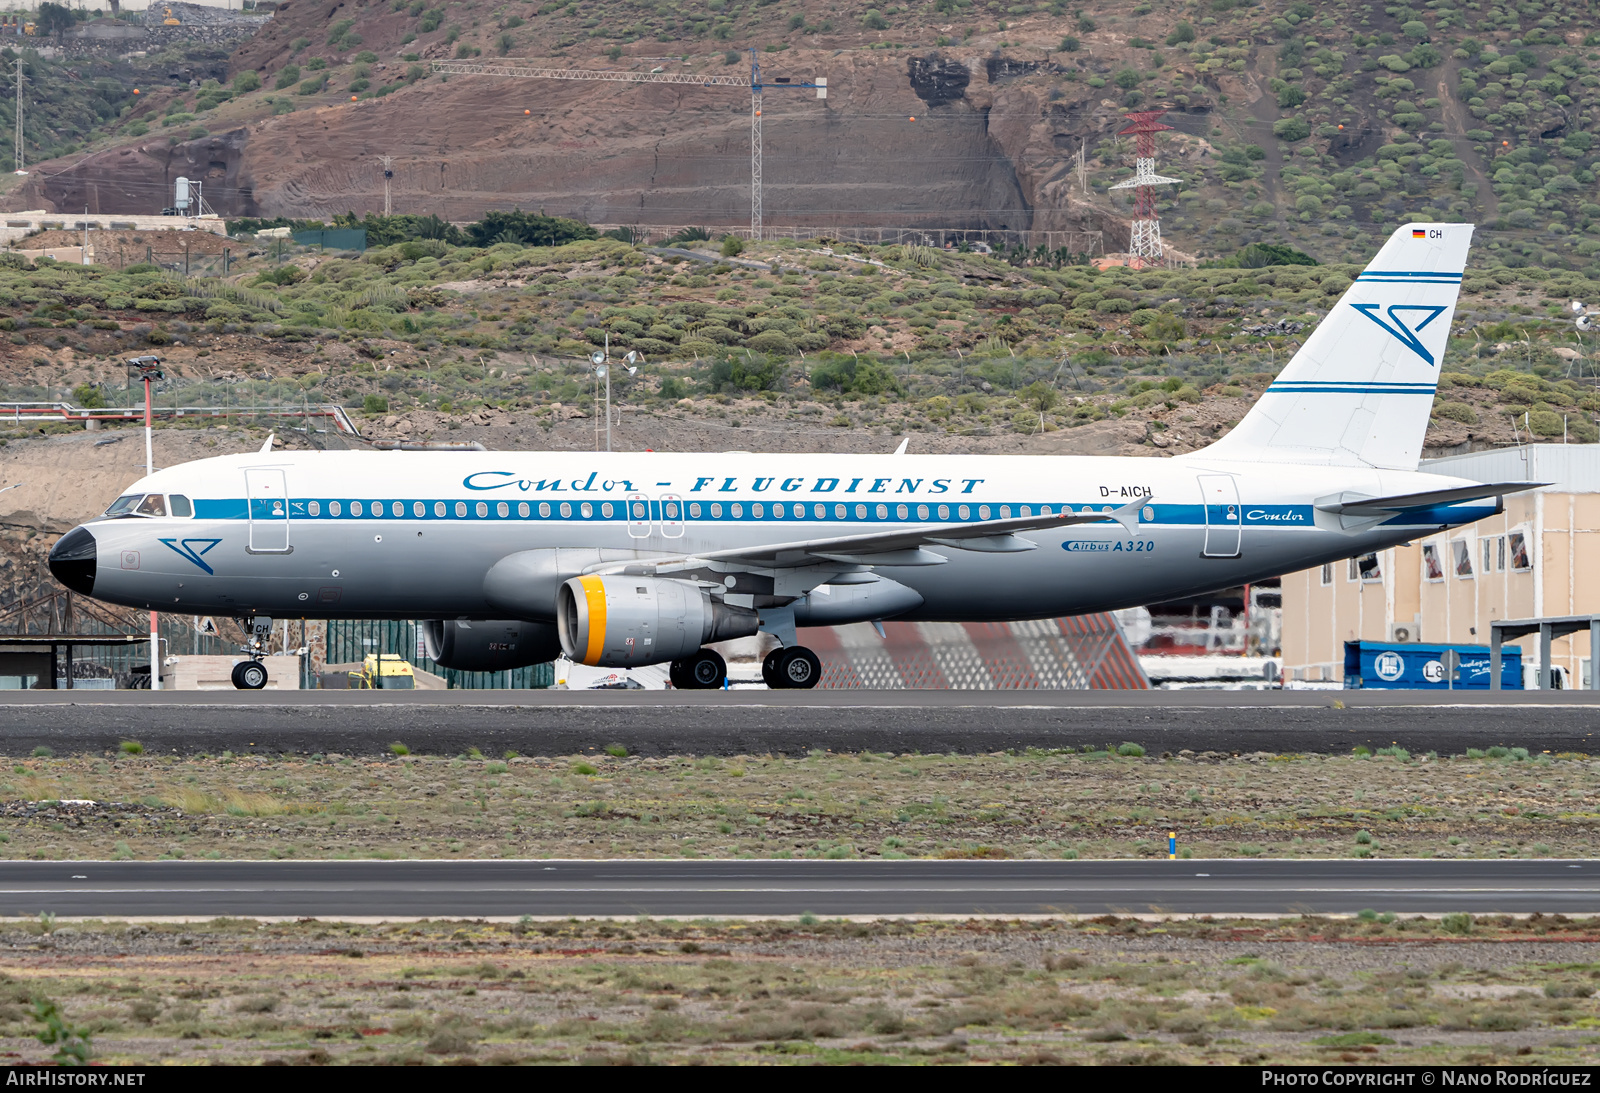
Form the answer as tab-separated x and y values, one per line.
759	722
705	888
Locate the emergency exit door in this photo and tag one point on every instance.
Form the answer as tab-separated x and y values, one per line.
1220	498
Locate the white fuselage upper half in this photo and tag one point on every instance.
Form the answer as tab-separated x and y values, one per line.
413	535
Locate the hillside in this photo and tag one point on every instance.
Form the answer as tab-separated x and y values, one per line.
1294	122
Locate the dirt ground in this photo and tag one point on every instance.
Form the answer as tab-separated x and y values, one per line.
1089	805
1106	990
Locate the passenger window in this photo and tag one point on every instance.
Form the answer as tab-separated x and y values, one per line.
124	504
181	506
153	505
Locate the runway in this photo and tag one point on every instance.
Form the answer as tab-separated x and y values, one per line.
654	723
685	889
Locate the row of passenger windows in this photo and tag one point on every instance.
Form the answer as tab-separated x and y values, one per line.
155	504
671	510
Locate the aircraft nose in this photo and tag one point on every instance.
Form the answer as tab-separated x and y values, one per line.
73	560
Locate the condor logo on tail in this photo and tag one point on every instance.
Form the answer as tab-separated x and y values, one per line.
1407	334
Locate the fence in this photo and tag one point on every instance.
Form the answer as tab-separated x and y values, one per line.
1075	242
60	612
350	641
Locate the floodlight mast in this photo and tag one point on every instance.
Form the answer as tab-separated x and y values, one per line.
820	85
149	367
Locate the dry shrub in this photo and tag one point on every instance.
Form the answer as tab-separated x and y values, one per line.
450	1040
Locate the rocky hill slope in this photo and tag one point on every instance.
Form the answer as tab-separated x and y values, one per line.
1293	120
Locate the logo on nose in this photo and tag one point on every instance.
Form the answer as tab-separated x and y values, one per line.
193	549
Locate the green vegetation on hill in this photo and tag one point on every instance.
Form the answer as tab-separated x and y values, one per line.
900	336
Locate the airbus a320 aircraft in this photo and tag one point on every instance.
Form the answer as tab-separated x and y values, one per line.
640	558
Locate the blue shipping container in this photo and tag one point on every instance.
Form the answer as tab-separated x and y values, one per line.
1416	666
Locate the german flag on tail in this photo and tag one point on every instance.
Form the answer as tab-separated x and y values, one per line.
1419	233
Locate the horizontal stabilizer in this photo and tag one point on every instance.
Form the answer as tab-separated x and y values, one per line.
1345	505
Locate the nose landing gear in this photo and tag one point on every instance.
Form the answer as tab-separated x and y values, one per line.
251	675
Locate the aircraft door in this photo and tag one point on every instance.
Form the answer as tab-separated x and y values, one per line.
268	500
1220	498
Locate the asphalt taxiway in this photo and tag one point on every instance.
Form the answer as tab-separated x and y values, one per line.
793	722
408	889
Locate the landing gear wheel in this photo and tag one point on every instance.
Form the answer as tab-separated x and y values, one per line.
769	669
705	671
795	667
250	675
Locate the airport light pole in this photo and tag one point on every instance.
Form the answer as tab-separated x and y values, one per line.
602	369
150	370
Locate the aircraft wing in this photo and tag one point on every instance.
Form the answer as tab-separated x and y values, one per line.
1344	505
900	546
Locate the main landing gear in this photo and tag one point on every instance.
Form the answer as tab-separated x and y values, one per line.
251	675
793	667
705	671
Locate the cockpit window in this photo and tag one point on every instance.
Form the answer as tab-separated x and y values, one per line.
153	505
124	504
180	505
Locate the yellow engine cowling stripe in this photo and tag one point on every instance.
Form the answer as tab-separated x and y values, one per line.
595	599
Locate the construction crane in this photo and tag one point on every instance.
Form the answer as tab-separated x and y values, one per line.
656	75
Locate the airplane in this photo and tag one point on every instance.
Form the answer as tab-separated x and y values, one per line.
626	559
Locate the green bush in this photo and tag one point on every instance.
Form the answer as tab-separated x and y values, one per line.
375	404
1131	750
246	82
732	246
313	86
853	376
1291	129
1458	923
746	372
1457	411
288	76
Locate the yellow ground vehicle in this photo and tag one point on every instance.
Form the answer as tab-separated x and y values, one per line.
171	20
386	672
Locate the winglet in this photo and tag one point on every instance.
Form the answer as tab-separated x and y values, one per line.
266	449
904	444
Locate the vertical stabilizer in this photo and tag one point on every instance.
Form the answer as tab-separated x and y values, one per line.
1359	391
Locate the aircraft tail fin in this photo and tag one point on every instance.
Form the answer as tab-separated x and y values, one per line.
1359	391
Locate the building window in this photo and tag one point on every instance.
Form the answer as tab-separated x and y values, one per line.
1327	573
1519	552
1500	555
1369	568
1351	573
1488	554
1432	569
1463	558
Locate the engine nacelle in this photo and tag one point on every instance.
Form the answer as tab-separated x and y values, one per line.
619	622
492	645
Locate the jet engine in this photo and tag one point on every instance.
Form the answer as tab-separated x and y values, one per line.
619	622
493	645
